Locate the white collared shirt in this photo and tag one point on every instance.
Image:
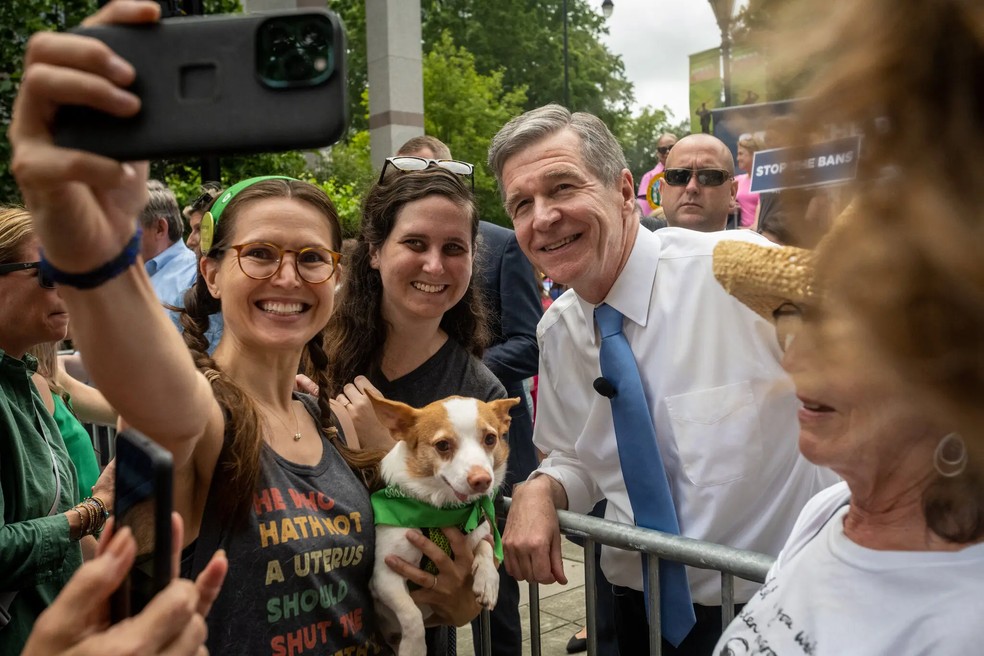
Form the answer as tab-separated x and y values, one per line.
723	409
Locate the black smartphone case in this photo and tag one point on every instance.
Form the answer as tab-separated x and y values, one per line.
143	469
201	95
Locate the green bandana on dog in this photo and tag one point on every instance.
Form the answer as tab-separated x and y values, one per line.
392	507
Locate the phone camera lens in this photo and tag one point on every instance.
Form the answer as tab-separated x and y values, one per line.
295	51
297	67
313	37
278	40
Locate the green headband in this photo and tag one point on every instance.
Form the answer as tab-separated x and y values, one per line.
211	218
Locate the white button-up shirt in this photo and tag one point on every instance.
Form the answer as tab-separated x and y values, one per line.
723	409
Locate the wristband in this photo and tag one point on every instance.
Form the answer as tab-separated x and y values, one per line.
81	526
99	275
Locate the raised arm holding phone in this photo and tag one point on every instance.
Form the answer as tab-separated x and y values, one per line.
258	471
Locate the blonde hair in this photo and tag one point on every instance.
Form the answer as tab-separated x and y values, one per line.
15	231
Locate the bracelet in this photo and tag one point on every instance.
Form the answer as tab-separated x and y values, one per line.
99	514
102	506
99	275
81	526
89	517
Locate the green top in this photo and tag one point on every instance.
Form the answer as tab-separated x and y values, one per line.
79	445
392	507
36	555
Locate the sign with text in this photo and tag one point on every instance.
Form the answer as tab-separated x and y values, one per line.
819	164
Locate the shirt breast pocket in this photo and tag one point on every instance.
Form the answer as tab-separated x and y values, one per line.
717	433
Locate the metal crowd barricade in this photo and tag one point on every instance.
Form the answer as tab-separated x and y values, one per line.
731	562
103	442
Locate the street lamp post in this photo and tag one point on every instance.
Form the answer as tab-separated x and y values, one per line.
567	83
606	8
723	10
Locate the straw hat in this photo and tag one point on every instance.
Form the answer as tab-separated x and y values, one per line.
765	277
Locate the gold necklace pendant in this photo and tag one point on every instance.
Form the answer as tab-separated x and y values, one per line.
297	427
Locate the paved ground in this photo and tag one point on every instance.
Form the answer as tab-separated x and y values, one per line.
561	609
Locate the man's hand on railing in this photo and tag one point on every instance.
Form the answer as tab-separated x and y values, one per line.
531	540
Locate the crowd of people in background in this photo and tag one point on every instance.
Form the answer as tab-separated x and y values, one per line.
795	372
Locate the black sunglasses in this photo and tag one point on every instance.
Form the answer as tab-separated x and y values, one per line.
43	280
413	163
705	177
664	150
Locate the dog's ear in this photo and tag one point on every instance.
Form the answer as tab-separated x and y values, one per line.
501	409
395	416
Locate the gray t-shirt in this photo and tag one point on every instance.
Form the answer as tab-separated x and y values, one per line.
299	569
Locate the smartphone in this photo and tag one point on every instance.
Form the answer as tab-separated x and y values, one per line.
218	85
144	472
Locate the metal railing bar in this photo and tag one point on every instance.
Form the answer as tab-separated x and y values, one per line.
727	598
748	565
534	615
591	595
655	628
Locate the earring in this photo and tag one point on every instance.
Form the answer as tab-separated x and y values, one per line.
950	458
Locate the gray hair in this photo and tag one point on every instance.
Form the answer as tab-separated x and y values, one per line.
163	205
600	151
425	142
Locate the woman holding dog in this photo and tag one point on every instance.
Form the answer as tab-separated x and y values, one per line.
410	325
259	472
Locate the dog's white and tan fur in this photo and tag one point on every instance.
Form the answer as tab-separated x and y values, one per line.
449	452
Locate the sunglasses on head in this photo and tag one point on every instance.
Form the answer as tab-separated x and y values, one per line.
43	279
664	150
705	177
413	163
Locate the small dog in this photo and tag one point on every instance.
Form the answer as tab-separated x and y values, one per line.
450	455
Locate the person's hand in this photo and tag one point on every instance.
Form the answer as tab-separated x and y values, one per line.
448	593
105	487
77	622
531	541
305	385
102	196
354	400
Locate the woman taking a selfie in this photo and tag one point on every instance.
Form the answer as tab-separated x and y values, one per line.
258	471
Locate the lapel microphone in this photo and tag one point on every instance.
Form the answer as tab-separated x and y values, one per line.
603	387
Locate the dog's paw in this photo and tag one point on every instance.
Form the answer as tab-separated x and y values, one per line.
485	583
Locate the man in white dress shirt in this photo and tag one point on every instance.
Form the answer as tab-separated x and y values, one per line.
724	412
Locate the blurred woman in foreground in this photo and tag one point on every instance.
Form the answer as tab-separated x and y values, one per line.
908	270
890	560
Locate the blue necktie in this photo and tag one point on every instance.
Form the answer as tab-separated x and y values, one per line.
642	470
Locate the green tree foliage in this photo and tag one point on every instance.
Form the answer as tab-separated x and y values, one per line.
18	20
524	39
758	25
464	109
638	138
353	15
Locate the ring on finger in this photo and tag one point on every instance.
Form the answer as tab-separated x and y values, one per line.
434	584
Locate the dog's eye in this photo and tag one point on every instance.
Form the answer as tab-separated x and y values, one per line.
443	446
490	439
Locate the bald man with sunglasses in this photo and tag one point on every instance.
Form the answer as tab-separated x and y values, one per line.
698	187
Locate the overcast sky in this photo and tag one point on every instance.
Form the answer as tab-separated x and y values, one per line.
655	39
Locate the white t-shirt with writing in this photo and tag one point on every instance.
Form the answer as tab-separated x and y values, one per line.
827	596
